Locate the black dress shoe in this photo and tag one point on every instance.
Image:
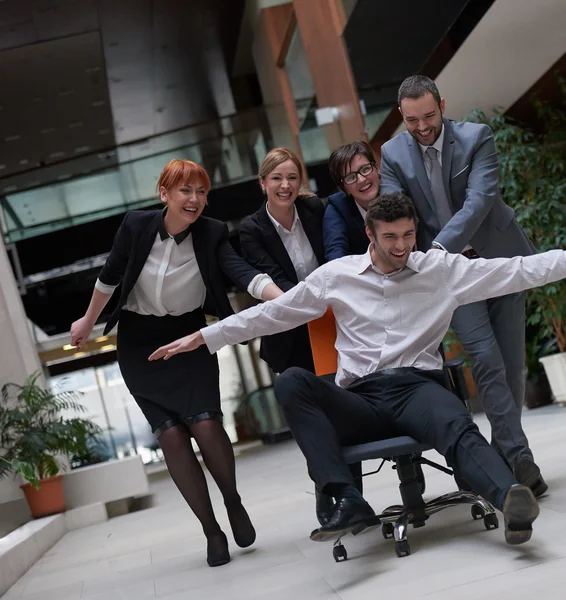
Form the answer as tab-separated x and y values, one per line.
348	515
520	510
324	506
527	473
217	551
242	528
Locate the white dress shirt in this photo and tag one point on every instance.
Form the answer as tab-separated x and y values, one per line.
297	245
394	320
170	282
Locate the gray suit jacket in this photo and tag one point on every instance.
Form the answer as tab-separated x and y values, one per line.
471	177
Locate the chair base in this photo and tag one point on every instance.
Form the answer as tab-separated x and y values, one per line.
396	519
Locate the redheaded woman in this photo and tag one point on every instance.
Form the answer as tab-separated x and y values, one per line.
171	265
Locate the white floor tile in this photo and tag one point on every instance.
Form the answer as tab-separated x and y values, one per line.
160	552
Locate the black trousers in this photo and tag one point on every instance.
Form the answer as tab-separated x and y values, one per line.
324	417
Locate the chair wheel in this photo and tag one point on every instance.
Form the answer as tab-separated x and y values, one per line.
387	530
402	548
477	512
339	553
491	521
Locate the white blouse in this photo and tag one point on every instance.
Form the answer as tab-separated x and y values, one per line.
170	282
297	245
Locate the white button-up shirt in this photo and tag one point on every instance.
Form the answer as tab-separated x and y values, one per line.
389	321
297	245
170	282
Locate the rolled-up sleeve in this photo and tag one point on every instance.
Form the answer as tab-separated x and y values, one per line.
258	284
105	288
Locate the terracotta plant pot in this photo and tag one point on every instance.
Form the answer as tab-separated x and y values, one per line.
49	499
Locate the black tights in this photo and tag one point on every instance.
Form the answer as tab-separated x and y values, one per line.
186	472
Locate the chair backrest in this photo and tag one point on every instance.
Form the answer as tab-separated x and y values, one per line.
322	333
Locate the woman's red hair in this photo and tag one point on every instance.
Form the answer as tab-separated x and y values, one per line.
179	172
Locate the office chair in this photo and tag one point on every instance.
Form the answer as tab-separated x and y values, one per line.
404	452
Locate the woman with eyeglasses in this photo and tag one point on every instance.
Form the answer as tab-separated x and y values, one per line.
171	265
353	168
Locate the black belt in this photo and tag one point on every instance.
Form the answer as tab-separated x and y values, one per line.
471	253
434	373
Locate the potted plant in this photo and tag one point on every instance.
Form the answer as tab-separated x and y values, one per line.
532	180
34	433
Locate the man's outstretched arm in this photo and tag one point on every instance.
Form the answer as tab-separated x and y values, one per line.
480	279
304	303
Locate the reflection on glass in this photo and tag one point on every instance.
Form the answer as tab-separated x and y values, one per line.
349	6
311	138
374	119
230	150
300	78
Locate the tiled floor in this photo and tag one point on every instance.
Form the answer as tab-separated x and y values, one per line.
159	552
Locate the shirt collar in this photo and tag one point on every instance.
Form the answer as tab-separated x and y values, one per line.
362	210
163	234
366	263
278	225
438	144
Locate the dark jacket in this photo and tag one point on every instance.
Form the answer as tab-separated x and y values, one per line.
214	254
262	247
343	228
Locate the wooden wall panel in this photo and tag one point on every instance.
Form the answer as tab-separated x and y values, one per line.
321	23
274	30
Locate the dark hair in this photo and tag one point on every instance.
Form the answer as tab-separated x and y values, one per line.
416	86
342	157
389	208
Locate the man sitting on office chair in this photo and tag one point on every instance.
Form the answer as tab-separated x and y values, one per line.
392	308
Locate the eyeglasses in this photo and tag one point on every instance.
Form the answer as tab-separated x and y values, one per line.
364	171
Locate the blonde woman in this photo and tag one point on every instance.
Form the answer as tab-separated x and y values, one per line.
284	239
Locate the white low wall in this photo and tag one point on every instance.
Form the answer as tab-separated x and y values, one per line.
24	547
105	482
88	492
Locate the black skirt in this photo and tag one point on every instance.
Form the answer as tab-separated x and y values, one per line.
170	391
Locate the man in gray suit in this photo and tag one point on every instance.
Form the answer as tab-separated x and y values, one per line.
451	171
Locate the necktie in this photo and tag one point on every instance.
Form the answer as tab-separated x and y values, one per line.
443	208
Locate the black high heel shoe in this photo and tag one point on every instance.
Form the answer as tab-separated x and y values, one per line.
217	550
242	528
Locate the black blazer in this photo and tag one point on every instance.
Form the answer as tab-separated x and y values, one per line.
215	257
262	247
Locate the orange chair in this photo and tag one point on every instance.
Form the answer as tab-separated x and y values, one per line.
322	333
404	451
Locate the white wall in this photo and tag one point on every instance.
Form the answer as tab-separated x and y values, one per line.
514	44
18	357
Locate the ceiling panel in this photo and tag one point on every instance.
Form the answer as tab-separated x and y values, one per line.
79	77
29	21
54	102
